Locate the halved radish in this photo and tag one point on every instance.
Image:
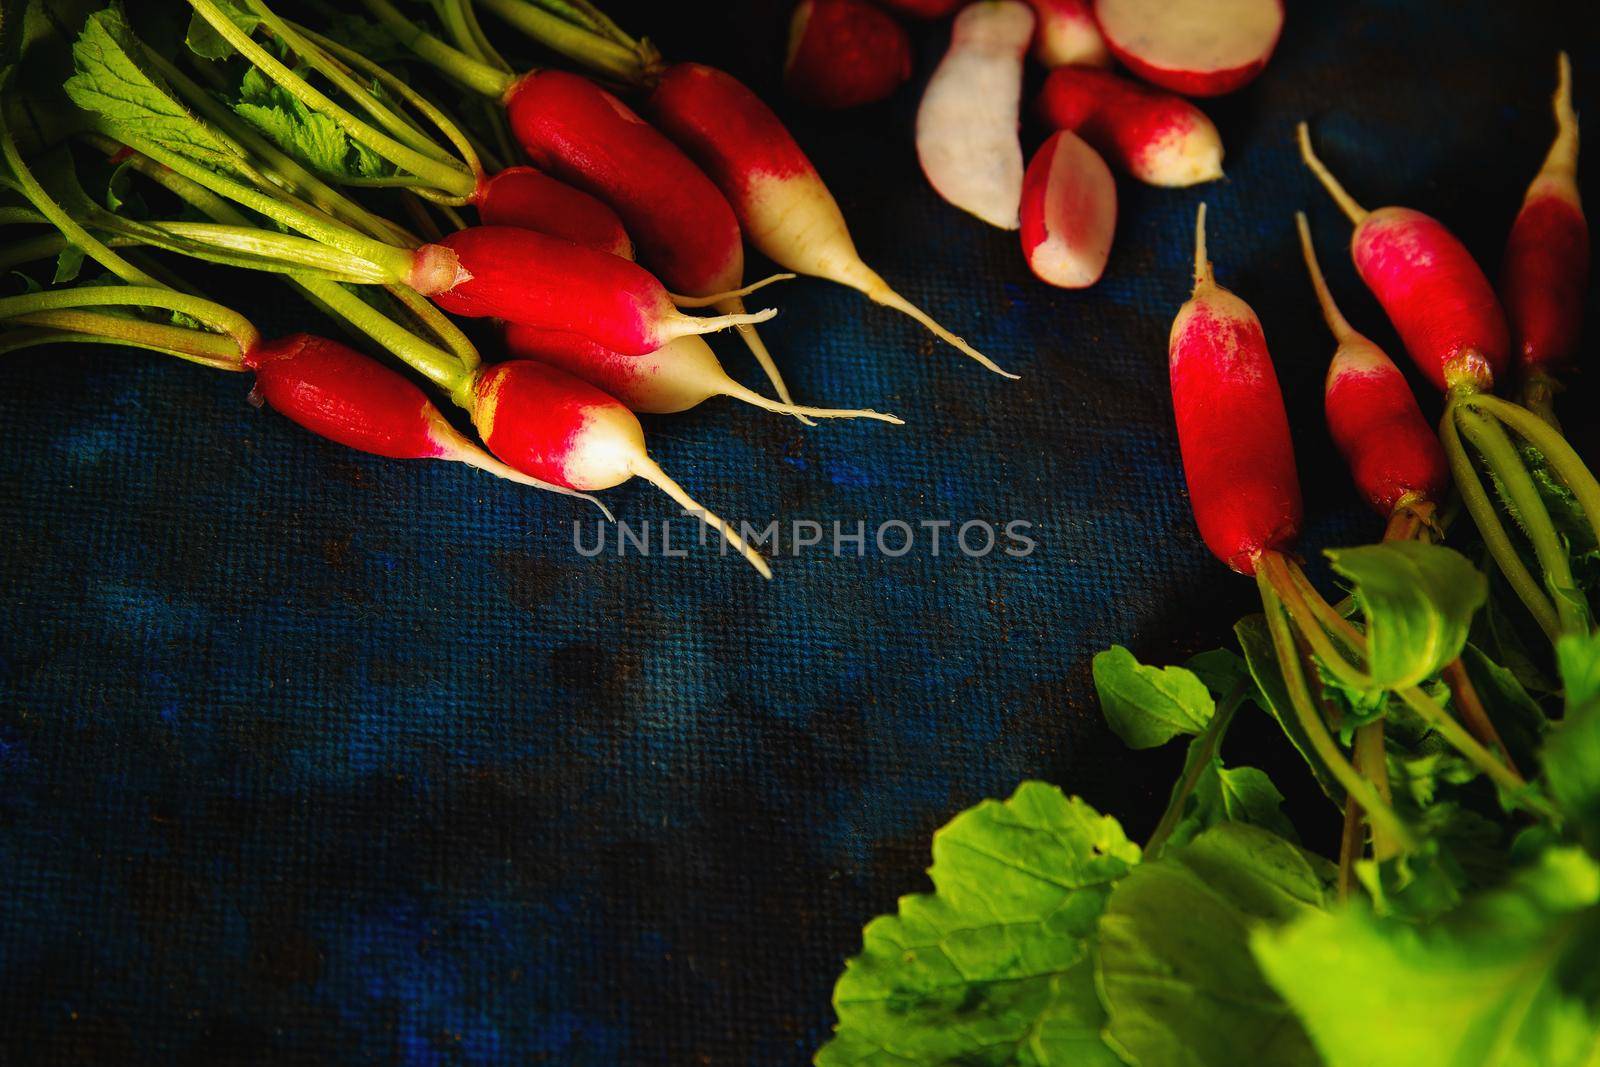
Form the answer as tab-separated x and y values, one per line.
967	122
1195	47
1069	212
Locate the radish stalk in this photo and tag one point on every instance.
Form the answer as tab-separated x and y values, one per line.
674	378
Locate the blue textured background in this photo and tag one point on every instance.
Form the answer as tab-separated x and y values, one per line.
312	757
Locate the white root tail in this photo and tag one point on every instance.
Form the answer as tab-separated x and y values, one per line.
1563	156
1337	323
647	468
750	396
758	348
1346	202
713	299
460	450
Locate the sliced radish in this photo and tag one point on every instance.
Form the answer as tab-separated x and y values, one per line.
1196	47
967	124
1069	212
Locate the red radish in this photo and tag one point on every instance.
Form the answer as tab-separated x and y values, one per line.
553	284
787	211
1157	137
683	227
1546	270
1433	290
1067	35
522	196
1194	47
552	426
1393	453
1232	429
923	9
967	123
349	398
671	379
844	53
1069	212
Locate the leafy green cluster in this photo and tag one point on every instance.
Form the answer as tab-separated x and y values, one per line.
1051	939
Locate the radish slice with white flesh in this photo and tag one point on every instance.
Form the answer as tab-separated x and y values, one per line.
1069	212
1194	47
967	137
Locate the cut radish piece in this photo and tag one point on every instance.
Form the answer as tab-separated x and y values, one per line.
1069	212
967	124
1196	47
845	53
1067	35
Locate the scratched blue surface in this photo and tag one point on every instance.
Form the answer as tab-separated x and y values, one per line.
311	757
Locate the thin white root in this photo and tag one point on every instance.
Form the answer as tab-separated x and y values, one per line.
758	348
1563	156
732	294
1337	323
646	468
750	396
1346	202
460	450
1202	264
886	296
682	325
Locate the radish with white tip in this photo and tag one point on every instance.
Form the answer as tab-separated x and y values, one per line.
1156	136
967	123
1069	212
1067	35
1194	47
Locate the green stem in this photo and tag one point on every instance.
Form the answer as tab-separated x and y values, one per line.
477	76
1561	456
15	340
1305	711
214	350
1446	726
1282	576
439	323
1502	459
1203	750
1539	391
598	53
43	247
441	175
286	250
1475	498
213	314
435	364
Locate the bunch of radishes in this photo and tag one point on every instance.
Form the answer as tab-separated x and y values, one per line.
848	52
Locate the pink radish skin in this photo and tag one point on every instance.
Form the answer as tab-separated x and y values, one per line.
844	53
1233	432
1158	137
1193	47
1546	270
542	281
1393	453
1069	212
353	400
967	122
786	210
683	227
522	196
552	426
1434	292
1067	35
671	379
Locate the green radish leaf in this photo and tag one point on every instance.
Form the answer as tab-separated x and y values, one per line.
133	104
1572	752
29	284
1174	965
1231	795
1418	600
1149	706
1222	672
1460	851
311	137
68	264
203	39
1517	716
1505	980
1256	642
995	966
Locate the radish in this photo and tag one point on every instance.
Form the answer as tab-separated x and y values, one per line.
1069	212
682	225
1434	292
1194	47
967	123
1067	35
1546	270
552	426
844	53
554	284
671	379
1393	453
787	211
922	9
1157	137
1238	459
522	196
